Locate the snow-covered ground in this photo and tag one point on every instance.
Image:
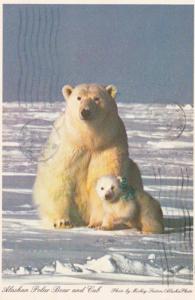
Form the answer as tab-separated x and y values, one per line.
160	141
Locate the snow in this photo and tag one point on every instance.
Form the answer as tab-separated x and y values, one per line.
22	271
188	107
171	145
48	269
66	268
104	264
35	255
108	264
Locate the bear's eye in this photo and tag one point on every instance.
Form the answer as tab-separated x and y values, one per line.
112	187
78	98
97	99
102	188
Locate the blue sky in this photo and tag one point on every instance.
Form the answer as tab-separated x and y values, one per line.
145	50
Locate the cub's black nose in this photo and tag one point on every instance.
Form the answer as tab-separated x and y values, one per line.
85	113
108	196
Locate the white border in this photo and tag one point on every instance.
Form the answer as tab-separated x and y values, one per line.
106	288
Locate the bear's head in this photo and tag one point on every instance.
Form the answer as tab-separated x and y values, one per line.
90	103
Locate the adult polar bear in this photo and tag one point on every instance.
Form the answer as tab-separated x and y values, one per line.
93	143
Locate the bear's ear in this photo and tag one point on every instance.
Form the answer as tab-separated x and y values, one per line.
112	90
67	91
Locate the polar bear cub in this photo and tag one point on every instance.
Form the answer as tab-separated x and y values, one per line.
124	205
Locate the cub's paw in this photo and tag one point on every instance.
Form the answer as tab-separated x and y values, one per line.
62	223
105	227
91	226
94	225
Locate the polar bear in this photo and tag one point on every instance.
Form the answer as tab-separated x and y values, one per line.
124	205
93	143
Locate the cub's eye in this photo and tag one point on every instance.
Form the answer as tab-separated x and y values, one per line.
112	187
102	188
97	99
78	98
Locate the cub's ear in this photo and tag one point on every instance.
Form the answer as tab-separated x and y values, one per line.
67	91
119	178
112	90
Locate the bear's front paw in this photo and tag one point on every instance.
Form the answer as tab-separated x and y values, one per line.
62	223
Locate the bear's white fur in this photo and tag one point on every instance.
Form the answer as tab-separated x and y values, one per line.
93	143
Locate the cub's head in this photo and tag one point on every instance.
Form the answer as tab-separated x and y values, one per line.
108	188
90	103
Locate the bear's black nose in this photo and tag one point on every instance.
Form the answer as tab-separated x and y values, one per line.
85	113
